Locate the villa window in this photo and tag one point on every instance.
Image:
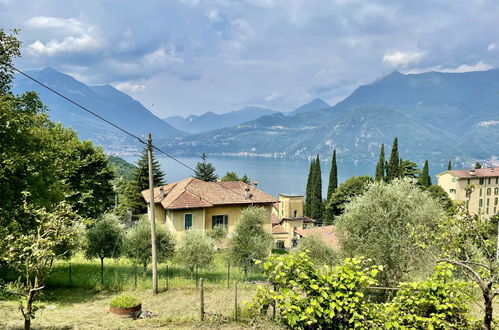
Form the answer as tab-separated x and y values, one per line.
481	180
452	191
187	221
496	191
488	202
495	201
220	220
480	191
480	202
489	191
497	180
469	181
487	210
295	213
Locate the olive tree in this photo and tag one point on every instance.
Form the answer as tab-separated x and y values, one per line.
470	243
138	247
33	253
378	225
195	250
250	241
317	249
105	240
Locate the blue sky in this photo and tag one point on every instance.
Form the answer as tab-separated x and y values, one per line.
192	56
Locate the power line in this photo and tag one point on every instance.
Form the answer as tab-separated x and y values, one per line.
96	115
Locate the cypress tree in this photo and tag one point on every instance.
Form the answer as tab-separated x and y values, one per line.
308	190
392	171
401	168
424	178
317	207
449	166
205	171
478	165
333	178
380	166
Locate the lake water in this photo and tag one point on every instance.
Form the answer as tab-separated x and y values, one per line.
274	176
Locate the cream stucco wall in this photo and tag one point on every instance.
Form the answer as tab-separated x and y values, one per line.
202	218
288	205
483	200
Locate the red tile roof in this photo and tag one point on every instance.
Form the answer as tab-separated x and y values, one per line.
194	193
278	229
327	233
478	173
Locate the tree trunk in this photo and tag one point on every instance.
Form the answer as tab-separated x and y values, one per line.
102	271
145	270
489	309
27	324
245	274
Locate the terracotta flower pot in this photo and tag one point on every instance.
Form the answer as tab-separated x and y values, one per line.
125	311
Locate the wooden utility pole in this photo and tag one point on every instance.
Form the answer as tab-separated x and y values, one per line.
201	299
152	219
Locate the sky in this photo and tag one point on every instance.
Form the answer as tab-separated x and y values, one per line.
182	57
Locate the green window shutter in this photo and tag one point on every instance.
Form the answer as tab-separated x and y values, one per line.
187	221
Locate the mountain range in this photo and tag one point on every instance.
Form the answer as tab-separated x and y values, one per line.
210	121
106	101
436	116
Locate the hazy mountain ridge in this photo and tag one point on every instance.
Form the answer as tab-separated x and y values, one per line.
106	101
435	115
210	120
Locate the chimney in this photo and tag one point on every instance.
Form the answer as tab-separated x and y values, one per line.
161	193
247	194
255	184
492	169
472	172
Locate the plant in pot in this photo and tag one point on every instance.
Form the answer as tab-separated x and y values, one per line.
125	305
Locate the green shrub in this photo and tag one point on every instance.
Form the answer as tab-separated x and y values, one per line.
125	301
310	297
437	303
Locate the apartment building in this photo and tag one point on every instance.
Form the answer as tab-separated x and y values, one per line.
484	189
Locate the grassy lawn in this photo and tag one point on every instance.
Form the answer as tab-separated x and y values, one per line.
85	304
119	274
176	308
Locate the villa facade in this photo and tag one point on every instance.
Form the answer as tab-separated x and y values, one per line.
484	188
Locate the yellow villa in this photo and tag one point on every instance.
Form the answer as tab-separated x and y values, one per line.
195	204
287	218
484	197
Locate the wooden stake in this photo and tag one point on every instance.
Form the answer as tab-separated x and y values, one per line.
201	298
235	301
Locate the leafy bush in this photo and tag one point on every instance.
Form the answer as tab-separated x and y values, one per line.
125	301
318	250
311	297
437	303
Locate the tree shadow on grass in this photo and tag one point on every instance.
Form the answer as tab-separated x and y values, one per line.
66	297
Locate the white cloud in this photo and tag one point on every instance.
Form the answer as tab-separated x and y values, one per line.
56	22
491	47
78	37
479	66
213	15
129	87
272	97
69	44
400	59
151	63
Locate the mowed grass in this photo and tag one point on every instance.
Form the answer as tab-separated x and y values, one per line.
83	303
120	274
172	309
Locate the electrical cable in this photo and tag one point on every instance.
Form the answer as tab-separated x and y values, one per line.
96	115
